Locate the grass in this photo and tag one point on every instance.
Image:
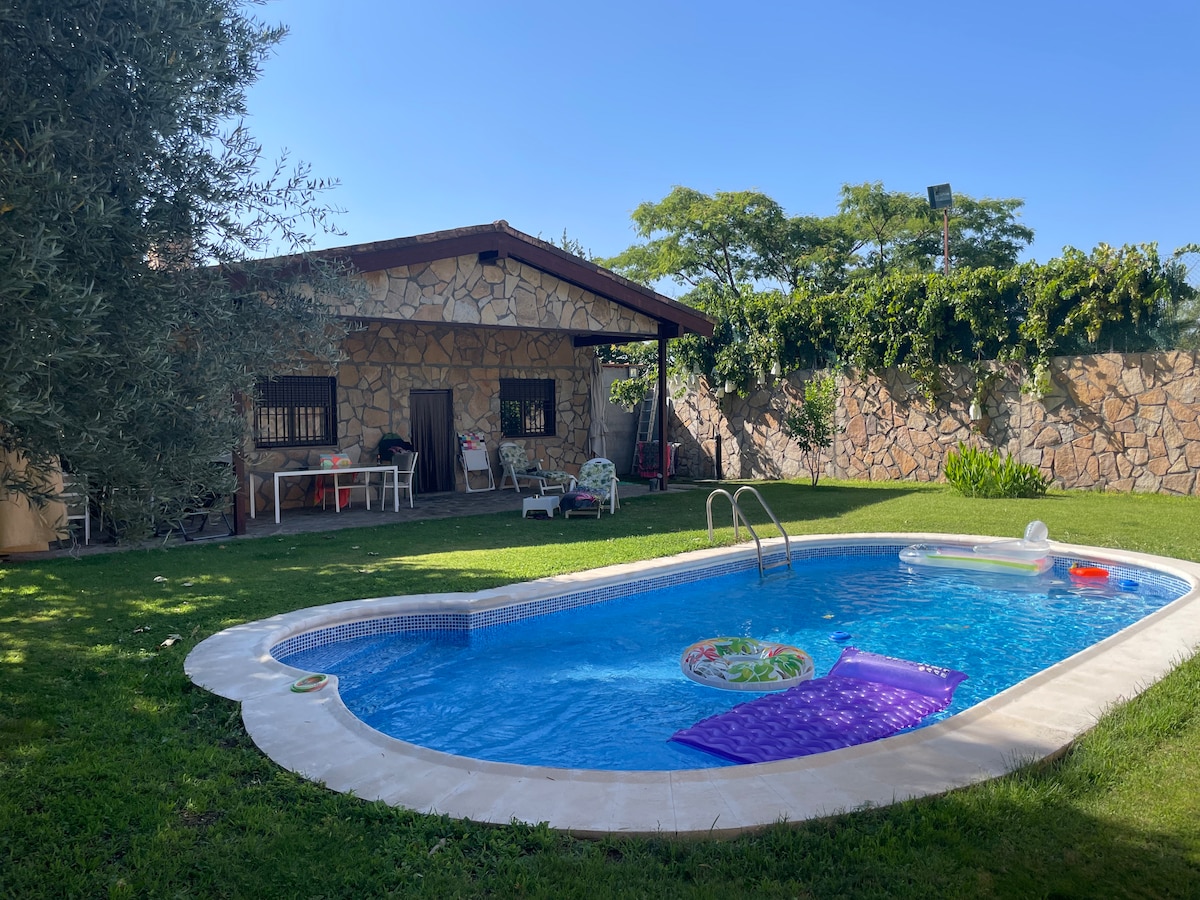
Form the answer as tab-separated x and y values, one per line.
118	778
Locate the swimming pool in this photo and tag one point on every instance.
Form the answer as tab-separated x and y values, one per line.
316	735
599	686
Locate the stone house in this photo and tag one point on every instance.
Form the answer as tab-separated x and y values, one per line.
481	329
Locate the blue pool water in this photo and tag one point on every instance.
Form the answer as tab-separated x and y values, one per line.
600	687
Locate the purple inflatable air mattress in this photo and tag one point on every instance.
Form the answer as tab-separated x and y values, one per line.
865	697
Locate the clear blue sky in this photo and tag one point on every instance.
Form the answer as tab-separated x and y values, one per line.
561	115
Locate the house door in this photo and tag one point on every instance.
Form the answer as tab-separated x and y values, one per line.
433	436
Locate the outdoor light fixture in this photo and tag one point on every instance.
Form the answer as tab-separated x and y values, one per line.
730	387
941	198
775	369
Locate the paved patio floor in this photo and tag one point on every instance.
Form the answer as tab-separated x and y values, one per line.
313	519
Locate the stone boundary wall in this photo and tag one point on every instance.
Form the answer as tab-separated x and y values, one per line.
1118	422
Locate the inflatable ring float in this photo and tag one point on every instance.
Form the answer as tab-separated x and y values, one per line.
309	683
745	664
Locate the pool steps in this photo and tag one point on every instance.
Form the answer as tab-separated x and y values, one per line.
739	516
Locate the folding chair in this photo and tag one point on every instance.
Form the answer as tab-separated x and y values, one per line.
473	456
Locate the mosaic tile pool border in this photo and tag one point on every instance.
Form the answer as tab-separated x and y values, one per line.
469	621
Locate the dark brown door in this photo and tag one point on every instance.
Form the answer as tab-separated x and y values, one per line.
433	436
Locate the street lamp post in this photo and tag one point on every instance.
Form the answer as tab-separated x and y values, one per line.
941	198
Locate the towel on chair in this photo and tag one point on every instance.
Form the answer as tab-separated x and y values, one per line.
324	485
577	500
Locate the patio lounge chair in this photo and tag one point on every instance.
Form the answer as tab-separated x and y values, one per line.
190	519
595	485
516	467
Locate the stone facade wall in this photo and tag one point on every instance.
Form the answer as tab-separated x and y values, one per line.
1109	422
504	293
388	361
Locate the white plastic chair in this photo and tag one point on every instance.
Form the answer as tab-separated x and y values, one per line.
406	462
75	498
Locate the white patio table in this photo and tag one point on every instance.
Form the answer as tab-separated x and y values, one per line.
336	473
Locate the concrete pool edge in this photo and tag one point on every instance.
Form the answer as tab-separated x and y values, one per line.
314	735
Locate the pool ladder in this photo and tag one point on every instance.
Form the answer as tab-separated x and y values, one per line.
740	517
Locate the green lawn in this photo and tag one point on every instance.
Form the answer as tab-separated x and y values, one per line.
120	778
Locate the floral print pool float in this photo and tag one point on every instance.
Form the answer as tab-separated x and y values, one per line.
745	664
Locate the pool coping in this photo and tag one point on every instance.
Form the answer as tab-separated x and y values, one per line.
316	736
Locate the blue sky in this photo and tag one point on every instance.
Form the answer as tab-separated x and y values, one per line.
560	115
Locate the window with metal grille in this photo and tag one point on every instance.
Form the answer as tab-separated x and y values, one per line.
527	407
296	411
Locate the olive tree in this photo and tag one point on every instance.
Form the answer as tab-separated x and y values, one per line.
132	201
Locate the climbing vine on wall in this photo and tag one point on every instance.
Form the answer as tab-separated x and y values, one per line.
1113	299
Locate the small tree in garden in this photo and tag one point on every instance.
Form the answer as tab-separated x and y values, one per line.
811	423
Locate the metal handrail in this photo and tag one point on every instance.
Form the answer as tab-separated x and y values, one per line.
739	516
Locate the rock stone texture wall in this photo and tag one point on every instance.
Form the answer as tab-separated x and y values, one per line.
460	325
503	293
1109	422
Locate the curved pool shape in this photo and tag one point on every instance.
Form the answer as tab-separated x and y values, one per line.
313	734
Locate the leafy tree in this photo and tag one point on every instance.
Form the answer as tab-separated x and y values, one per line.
811	424
900	232
790	289
731	239
572	246
881	222
691	238
984	233
710	245
129	199
739	257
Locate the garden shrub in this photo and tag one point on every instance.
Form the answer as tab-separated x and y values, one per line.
811	424
986	473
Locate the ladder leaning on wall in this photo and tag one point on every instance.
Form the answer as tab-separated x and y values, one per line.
647	428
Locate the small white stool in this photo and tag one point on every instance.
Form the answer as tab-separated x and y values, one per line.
546	503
